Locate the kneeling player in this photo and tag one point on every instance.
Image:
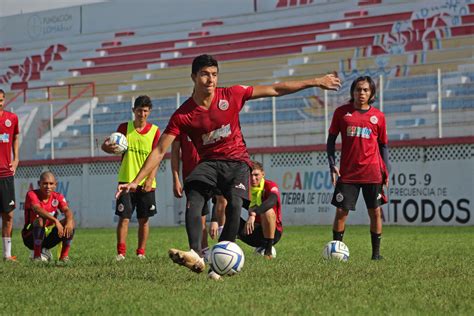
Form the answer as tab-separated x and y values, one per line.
263	227
42	227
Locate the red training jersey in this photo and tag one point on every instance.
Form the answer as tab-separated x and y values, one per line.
361	135
56	202
272	187
215	132
189	154
8	129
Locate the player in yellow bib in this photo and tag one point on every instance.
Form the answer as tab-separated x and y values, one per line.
142	137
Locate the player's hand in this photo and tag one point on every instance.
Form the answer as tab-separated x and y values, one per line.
249	225
68	229
329	82
213	230
60	228
334	175
110	148
13	165
125	188
177	189
148	185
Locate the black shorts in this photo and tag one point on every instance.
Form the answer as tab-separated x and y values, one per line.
221	176
256	239
7	194
346	194
144	202
49	242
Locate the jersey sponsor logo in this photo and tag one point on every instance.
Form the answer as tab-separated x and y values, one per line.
55	203
4	138
357	131
216	135
223	105
120	207
240	186
374	119
339	197
8	123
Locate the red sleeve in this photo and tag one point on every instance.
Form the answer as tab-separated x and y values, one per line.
155	140
383	138
174	124
335	129
122	128
62	201
16	129
241	94
31	199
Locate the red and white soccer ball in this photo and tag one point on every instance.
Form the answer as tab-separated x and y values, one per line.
336	250
227	258
120	140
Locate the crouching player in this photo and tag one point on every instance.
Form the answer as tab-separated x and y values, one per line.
42	227
263	228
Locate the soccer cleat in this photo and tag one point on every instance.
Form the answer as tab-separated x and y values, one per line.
120	257
141	257
377	257
213	276
189	259
10	259
39	259
64	259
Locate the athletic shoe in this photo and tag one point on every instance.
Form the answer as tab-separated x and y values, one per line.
189	259
213	276
10	259
206	255
120	257
377	257
39	259
141	257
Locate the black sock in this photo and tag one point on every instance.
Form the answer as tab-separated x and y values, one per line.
337	235
375	243
268	246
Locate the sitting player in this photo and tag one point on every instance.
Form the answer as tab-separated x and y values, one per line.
42	227
263	228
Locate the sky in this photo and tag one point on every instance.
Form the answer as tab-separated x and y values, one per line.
12	7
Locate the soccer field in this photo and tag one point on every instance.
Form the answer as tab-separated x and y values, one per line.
427	270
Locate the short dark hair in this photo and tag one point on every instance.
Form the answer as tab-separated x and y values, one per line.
256	165
143	101
373	88
203	61
2	92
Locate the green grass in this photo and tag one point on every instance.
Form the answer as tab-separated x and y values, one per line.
427	270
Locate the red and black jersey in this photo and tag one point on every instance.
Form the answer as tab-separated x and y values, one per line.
272	187
55	202
361	133
215	132
8	129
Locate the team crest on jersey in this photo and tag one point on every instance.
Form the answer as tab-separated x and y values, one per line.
8	123
374	119
55	203
339	197
223	105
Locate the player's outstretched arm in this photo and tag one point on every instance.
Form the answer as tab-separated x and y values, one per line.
327	82
153	161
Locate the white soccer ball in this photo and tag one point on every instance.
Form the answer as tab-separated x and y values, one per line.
336	250
227	258
120	140
46	255
261	251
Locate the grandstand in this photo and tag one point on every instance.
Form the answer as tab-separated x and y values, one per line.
88	80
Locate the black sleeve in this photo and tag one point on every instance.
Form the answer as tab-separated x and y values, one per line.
269	202
331	150
383	148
